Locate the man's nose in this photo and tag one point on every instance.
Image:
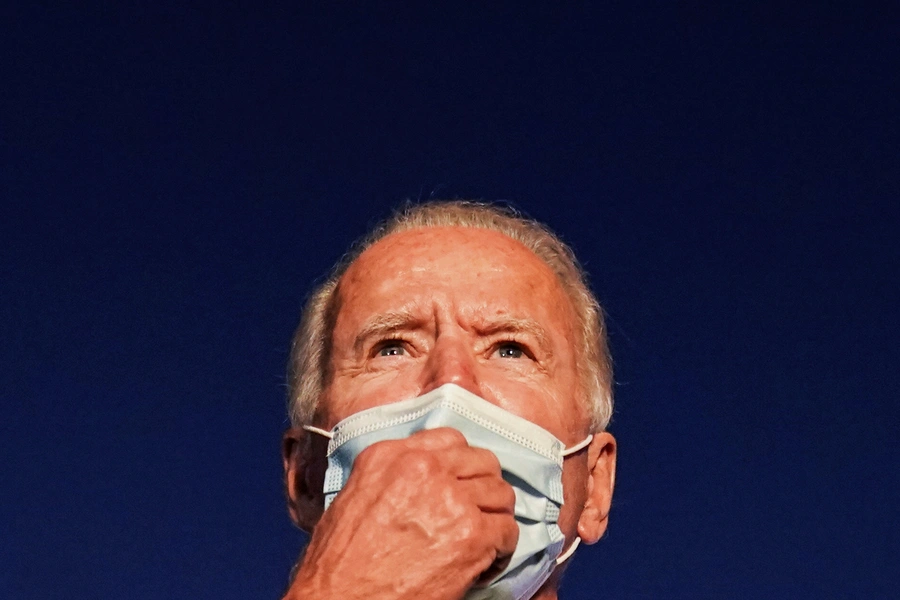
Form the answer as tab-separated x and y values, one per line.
451	360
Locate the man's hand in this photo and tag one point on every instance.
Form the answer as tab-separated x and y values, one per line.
425	517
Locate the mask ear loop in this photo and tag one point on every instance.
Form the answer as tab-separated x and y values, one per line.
571	550
576	447
565	555
322	432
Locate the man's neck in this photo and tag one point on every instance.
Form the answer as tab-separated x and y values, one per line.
548	591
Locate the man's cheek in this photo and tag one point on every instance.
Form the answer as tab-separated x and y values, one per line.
370	389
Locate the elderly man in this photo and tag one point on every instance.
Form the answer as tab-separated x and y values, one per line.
449	393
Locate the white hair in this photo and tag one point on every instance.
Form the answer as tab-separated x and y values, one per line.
310	353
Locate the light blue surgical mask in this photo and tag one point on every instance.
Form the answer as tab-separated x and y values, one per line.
531	460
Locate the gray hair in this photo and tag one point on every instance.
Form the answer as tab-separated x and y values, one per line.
310	352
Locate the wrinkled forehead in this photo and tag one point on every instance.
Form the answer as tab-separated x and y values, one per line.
453	256
472	281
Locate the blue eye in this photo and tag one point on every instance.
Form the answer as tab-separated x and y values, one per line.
510	351
391	349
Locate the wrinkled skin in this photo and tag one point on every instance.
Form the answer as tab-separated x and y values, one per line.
429	516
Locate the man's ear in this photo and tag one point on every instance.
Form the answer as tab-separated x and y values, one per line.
303	456
601	480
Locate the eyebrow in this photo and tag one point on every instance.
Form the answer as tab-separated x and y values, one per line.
514	325
385	324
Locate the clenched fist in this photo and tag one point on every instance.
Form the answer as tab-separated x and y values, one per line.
425	517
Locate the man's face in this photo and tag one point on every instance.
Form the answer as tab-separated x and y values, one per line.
473	307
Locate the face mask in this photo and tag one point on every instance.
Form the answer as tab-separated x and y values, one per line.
530	457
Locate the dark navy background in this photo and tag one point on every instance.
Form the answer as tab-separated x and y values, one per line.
173	180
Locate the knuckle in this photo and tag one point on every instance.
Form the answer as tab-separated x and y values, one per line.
453	435
469	523
514	531
512	535
419	464
490	460
377	453
510	499
447	436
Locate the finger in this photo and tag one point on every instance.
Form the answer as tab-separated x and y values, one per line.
469	462
441	438
456	454
426	444
490	494
502	533
507	532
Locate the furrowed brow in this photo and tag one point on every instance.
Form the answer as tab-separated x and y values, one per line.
385	324
515	325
